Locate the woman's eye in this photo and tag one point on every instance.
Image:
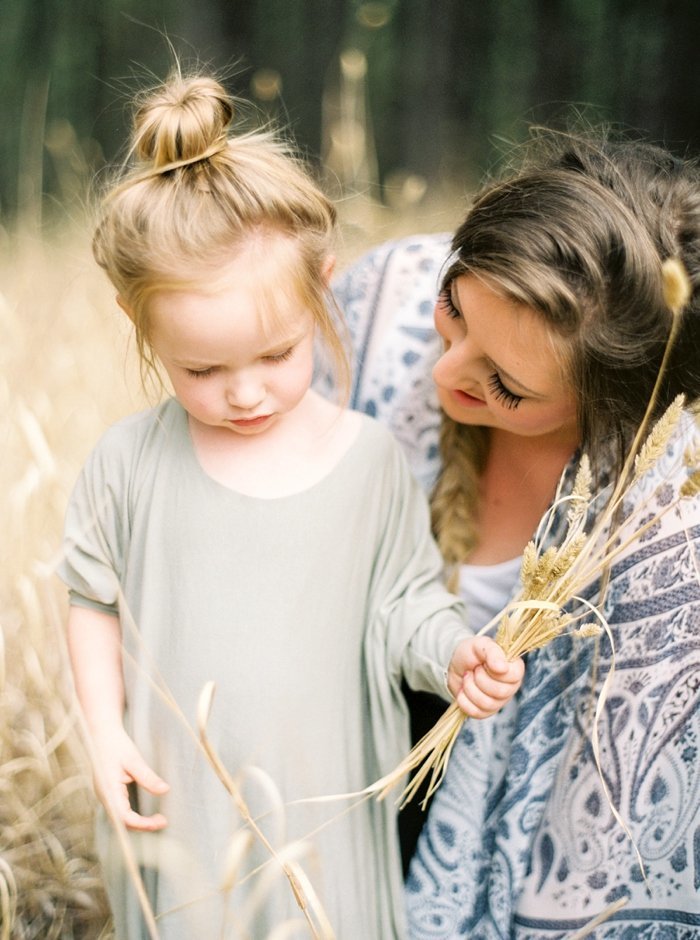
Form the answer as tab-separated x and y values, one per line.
200	373
445	300
280	357
502	394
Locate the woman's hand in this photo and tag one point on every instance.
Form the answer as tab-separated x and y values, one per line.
480	677
118	764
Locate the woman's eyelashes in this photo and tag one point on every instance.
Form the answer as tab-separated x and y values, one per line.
502	394
446	301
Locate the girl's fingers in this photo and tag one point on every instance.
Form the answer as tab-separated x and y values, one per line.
138	770
132	820
480	682
479	702
482	694
503	683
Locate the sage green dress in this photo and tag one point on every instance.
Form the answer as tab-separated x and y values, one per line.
305	611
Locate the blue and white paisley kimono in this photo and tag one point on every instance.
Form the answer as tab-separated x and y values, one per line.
521	841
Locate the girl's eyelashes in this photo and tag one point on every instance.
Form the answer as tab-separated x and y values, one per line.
281	357
278	357
502	394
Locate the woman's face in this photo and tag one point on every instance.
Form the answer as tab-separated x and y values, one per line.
500	367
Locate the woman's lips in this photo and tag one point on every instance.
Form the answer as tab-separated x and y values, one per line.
466	400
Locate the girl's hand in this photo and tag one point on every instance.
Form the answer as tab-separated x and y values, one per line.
480	677
118	764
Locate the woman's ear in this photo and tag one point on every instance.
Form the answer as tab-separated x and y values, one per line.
125	307
327	269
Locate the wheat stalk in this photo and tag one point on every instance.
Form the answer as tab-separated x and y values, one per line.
304	895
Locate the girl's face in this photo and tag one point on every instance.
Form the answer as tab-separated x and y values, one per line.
230	367
500	368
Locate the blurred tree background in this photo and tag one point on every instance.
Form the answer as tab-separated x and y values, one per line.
399	96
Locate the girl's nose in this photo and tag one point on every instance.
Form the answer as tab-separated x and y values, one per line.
245	392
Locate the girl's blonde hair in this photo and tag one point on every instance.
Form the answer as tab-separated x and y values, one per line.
191	197
580	234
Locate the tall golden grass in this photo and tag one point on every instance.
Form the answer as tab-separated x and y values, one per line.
61	381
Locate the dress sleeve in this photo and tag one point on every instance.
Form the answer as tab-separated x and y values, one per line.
95	531
388	298
414	622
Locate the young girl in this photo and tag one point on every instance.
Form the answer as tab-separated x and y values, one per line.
248	533
554	312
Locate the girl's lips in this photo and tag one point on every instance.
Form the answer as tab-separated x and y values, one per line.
466	400
251	422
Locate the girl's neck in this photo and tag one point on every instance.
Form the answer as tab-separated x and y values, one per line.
293	455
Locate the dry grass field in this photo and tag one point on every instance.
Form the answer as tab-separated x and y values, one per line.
62	381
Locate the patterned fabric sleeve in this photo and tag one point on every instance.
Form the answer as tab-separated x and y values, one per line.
387	298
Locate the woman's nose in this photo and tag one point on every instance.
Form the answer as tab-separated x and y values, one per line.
453	364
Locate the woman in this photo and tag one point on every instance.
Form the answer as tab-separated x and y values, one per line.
554	320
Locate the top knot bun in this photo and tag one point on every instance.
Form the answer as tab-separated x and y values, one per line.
181	120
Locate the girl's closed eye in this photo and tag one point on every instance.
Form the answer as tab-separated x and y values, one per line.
200	373
281	357
503	394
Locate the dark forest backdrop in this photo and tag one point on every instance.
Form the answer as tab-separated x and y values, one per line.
438	79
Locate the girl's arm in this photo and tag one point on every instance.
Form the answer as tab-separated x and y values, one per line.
94	646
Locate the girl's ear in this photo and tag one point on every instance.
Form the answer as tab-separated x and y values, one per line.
125	307
327	268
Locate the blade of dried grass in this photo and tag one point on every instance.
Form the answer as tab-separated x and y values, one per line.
266	785
308	904
8	899
238	848
288	858
600	919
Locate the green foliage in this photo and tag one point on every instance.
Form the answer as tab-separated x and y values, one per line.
444	79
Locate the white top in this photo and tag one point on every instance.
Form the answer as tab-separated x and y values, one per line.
486	589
